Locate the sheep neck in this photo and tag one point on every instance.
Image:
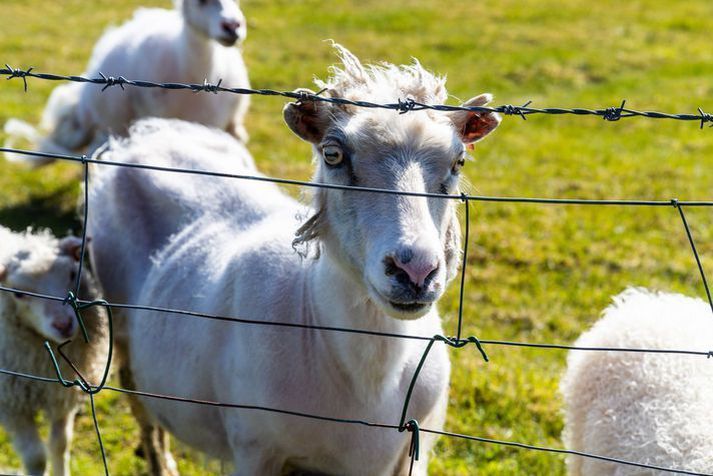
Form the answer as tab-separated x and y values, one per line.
197	56
335	298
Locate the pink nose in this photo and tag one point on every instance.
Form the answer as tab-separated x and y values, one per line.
230	26
418	269
65	327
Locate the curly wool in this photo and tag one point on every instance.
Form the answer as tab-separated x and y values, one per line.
22	349
642	407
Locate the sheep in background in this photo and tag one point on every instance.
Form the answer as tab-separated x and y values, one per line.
646	408
40	263
190	44
226	247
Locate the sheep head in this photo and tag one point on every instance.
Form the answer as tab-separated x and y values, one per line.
404	249
47	266
220	20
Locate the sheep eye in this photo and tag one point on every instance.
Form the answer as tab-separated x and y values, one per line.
72	275
19	295
458	164
333	154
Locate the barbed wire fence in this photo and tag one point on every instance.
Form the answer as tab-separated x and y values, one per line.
455	341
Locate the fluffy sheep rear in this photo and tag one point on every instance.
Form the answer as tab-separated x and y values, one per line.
655	409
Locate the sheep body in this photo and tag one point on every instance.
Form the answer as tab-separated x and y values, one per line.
647	408
39	262
156	45
226	247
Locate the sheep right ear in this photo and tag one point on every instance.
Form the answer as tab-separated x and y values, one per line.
307	119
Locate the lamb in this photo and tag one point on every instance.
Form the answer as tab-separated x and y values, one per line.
189	44
221	246
38	262
647	408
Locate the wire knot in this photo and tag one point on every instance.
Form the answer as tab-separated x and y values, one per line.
112	81
73	302
510	110
412	427
674	203
614	113
18	73
405	105
457	343
710	354
705	117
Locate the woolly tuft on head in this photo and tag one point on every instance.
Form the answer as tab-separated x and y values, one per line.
383	82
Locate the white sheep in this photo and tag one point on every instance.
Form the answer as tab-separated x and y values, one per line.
189	44
654	409
225	247
40	263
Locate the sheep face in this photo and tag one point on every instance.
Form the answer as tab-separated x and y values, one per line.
221	20
403	249
46	271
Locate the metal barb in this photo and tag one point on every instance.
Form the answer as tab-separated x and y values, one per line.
18	73
112	81
510	110
405	105
614	113
705	117
210	88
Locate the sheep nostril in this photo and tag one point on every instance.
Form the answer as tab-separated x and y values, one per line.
390	267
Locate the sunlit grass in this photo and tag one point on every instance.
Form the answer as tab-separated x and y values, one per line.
538	273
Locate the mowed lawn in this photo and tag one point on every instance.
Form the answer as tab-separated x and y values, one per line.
536	273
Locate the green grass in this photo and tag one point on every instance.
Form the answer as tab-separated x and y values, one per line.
538	273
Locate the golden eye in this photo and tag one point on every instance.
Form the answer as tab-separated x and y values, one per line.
333	154
458	164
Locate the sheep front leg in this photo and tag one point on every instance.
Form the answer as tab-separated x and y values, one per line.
60	440
154	440
27	442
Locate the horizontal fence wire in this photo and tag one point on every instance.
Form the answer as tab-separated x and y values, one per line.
402	105
365	423
451	341
673	202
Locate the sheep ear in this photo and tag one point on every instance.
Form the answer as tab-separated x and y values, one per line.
308	119
473	126
72	246
3	272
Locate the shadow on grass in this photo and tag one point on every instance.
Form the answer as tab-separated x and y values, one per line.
44	211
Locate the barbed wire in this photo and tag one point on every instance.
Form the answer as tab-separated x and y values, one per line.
402	106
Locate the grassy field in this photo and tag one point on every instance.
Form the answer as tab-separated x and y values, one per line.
538	273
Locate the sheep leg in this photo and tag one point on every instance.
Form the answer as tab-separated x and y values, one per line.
238	131
252	458
154	441
27	442
60	440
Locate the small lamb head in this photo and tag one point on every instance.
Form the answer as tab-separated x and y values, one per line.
45	268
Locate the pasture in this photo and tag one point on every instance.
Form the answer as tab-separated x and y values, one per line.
536	273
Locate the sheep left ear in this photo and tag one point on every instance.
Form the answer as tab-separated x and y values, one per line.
474	126
72	246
